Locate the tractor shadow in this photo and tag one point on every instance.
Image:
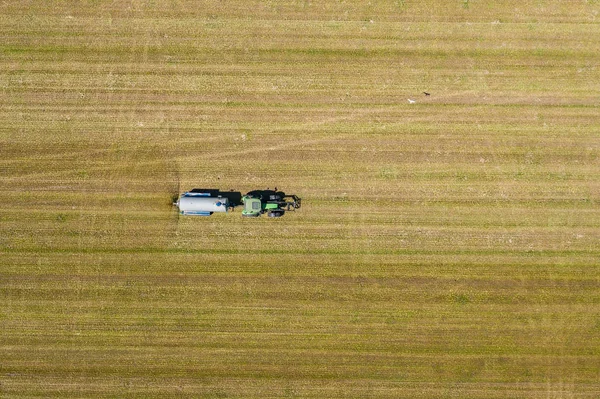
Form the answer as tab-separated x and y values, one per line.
235	197
267	195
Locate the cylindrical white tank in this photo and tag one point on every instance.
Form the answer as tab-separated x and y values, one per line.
201	205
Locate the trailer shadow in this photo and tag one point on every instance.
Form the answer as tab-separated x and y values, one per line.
234	197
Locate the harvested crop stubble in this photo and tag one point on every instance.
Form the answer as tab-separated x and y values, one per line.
446	248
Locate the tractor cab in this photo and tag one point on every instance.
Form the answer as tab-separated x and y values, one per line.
252	207
255	206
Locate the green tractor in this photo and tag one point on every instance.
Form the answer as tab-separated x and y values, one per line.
273	203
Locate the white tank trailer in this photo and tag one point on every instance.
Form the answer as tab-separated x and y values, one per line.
201	204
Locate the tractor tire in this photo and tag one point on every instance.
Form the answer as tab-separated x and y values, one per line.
250	215
276	213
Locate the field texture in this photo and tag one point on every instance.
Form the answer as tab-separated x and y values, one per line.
448	248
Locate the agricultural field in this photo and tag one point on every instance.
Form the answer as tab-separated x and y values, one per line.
446	248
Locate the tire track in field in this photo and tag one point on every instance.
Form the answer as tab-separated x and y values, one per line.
259	148
291	144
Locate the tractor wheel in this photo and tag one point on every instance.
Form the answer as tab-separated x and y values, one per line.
250	215
276	213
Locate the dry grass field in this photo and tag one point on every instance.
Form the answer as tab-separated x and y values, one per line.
448	248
